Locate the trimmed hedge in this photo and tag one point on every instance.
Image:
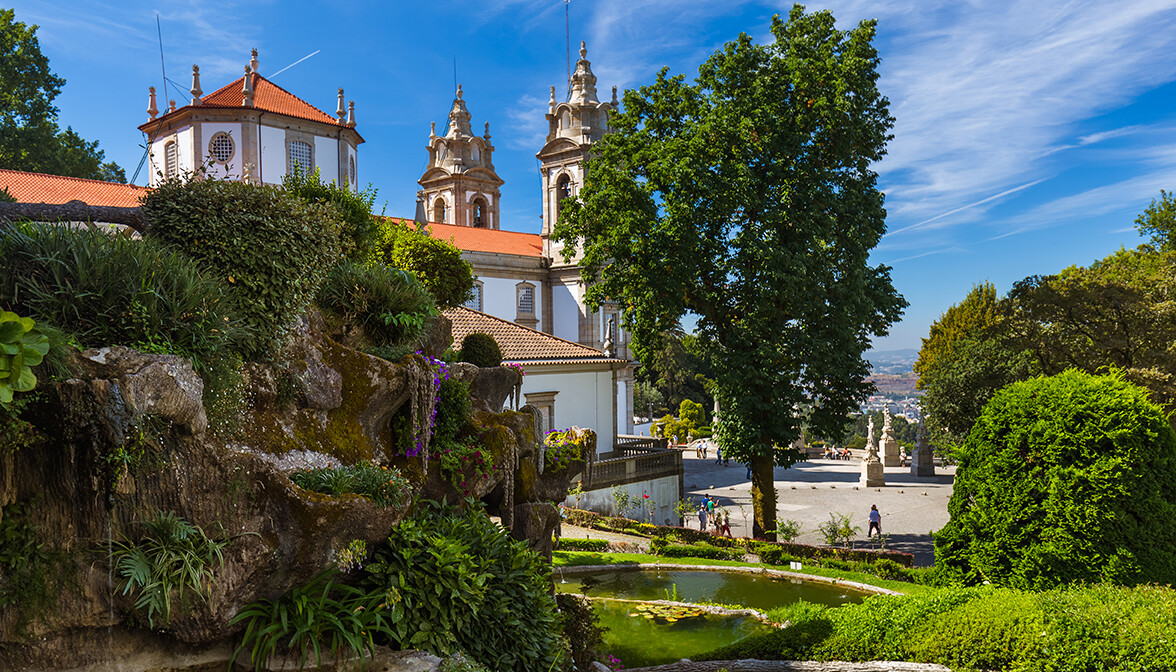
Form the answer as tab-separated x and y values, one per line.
780	553
481	350
270	247
576	544
696	550
1080	628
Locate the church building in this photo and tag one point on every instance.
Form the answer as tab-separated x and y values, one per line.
522	277
250	129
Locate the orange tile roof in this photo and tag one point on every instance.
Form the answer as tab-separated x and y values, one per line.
41	188
488	240
267	96
521	344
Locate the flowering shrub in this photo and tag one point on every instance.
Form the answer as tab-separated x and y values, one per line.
384	486
420	434
563	448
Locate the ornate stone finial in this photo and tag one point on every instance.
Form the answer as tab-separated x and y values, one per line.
459	117
171	105
351	114
195	90
551	100
583	50
341	110
151	107
487	133
432	129
247	88
253	62
583	81
614	102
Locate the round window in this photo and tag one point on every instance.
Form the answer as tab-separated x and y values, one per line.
220	148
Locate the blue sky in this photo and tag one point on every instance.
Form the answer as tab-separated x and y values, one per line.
1029	134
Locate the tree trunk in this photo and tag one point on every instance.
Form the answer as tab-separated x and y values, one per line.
74	211
763	496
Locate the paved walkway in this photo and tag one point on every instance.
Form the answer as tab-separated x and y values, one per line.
809	491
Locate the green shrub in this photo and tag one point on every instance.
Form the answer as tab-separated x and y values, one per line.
113	290
172	556
355	207
22	347
382	485
389	305
437	263
480	350
575	544
271	247
1067	478
496	606
889	569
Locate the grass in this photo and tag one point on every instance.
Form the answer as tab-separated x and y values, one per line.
583	558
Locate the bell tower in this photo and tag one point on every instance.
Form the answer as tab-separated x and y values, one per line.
460	186
572	128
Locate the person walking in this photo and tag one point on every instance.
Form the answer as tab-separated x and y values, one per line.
726	525
702	517
718	453
875	522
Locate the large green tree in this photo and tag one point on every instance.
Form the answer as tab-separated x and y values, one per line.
747	198
30	139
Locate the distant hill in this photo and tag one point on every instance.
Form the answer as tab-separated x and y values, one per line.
893	362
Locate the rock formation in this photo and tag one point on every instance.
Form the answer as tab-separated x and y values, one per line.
131	434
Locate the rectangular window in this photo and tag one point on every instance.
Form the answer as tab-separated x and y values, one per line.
300	156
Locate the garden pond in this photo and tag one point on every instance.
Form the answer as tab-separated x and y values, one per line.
640	636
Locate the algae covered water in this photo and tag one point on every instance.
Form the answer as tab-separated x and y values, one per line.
753	590
638	641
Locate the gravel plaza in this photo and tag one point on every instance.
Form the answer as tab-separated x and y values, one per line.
808	492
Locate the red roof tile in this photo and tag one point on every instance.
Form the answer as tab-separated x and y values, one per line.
489	240
519	343
267	96
41	188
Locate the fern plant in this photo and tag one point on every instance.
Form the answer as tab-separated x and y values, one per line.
173	558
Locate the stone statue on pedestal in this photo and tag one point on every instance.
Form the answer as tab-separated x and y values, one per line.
873	475
889	445
922	461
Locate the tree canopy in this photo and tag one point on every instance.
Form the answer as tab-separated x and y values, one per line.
747	198
30	139
437	263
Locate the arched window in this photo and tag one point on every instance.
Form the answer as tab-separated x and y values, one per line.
171	160
565	120
299	154
525	303
439	210
563	189
481	214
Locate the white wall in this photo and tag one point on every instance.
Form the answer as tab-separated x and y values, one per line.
326	159
565	312
663	491
183	139
217	170
499	298
624	416
273	154
584	400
